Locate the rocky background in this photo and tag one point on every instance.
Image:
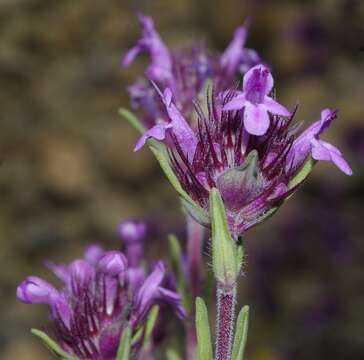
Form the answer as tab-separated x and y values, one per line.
68	175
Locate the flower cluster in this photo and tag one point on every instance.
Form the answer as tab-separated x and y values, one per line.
245	146
184	71
102	294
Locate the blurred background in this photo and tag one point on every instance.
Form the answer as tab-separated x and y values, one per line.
68	175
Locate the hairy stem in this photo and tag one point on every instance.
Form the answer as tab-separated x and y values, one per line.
226	298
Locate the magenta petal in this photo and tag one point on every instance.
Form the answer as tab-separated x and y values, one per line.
131	55
231	57
273	107
319	151
258	79
157	132
341	163
337	158
256	119
236	103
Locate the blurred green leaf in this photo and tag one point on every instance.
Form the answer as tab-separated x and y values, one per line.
125	345
204	346
241	334
52	345
150	323
176	259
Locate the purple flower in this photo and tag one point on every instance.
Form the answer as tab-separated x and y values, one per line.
257	84
161	67
97	301
179	126
233	54
185	71
309	142
252	173
133	233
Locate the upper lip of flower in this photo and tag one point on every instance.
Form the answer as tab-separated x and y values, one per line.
257	84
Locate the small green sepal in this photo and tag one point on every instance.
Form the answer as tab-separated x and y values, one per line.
52	345
226	254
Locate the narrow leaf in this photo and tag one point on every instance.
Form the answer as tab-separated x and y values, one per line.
125	345
132	120
176	257
204	347
241	333
52	345
225	259
151	320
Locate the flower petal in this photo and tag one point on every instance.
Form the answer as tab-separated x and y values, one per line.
174	300
256	119
157	132
258	81
181	129
337	158
275	108
230	59
319	151
236	103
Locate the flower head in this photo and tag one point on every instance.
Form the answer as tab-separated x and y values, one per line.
254	99
99	298
254	174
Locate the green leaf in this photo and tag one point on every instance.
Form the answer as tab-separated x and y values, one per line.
172	355
176	259
303	173
241	333
137	336
151	320
132	120
226	261
204	347
125	345
52	345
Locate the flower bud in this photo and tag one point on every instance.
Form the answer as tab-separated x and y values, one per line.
34	290
132	231
113	263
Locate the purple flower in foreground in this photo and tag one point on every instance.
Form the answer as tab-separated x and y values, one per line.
253	173
254	99
185	72
99	299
